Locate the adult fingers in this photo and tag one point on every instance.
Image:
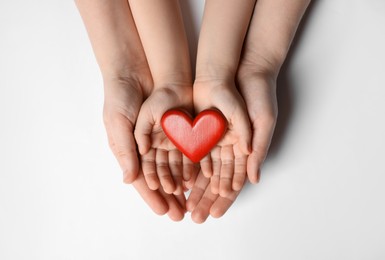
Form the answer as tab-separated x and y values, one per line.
190	183
197	192
176	209
202	210
153	198
222	204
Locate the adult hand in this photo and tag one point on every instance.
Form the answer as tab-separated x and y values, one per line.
202	202
127	82
270	33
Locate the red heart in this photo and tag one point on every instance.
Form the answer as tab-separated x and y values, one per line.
195	138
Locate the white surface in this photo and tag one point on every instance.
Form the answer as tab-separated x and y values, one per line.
322	190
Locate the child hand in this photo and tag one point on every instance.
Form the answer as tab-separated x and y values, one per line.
226	163
162	163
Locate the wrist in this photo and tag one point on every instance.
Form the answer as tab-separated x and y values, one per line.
178	80
210	72
182	91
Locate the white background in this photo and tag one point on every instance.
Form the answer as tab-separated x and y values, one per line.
322	191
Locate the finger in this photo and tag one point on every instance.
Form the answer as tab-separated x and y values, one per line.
176	169
206	166
153	198
163	171
175	210
122	143
222	204
190	183
202	209
181	198
143	129
197	192
227	171
263	133
216	163
149	169
188	168
240	162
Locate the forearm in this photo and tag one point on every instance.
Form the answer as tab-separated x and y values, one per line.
224	27
113	36
271	32
162	33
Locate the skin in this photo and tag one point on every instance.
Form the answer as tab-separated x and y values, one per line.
270	34
161	31
127	83
214	86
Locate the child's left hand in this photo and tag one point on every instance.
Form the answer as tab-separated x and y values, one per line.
162	163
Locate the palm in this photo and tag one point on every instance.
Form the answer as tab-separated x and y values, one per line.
162	163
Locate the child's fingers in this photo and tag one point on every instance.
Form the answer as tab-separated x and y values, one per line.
216	163
206	166
188	168
143	130
122	143
163	171
227	171
149	169
176	169
261	143
239	169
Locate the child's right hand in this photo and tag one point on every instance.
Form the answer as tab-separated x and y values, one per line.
226	163
162	163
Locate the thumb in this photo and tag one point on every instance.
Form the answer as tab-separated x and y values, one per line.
261	142
122	143
143	129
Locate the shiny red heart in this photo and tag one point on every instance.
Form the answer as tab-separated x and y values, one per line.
194	138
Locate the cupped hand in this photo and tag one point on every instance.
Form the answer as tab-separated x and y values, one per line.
162	163
226	163
258	89
123	97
